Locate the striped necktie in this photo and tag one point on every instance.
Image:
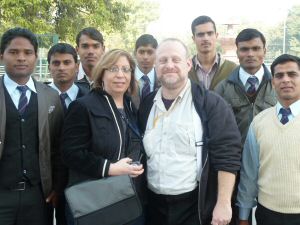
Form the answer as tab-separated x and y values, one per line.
146	87
63	97
23	101
285	115
252	81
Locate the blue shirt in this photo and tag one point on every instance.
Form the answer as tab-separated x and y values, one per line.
248	187
11	87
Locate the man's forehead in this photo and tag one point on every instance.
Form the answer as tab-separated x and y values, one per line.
84	39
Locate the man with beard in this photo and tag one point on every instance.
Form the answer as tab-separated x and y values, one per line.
192	144
209	67
90	47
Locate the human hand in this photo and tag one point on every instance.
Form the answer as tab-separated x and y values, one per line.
222	214
124	166
243	222
52	199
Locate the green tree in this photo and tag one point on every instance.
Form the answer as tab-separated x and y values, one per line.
143	12
64	17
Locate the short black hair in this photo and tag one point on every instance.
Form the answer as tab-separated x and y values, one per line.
92	33
62	48
144	40
283	59
202	20
249	34
13	33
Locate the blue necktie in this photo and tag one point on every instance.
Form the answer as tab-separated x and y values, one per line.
63	97
285	115
146	87
23	101
252	81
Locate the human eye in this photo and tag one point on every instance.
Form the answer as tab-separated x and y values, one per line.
176	60
278	75
29	52
55	63
114	69
163	60
256	48
126	69
210	33
243	49
200	34
95	46
85	46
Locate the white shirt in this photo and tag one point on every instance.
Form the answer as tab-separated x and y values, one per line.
72	93
138	76
244	77
81	74
169	142
14	93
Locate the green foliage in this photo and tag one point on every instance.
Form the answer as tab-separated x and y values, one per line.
143	12
63	17
292	37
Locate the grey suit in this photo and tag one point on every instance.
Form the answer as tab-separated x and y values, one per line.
50	118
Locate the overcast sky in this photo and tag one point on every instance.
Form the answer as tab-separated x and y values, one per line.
176	15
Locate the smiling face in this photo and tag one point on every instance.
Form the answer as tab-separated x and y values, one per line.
286	82
19	59
172	65
116	80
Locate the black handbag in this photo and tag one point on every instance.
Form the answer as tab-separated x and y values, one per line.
107	201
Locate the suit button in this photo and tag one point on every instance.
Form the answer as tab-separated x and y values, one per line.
22	120
23	146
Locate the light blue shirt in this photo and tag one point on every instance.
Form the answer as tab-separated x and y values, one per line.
138	76
11	87
72	93
248	187
244	77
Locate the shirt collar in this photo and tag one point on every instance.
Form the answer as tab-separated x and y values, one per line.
139	74
72	91
11	85
198	64
295	108
158	96
81	74
244	75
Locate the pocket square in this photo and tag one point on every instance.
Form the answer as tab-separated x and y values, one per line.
51	108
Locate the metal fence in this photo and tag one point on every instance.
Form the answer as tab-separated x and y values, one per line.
41	72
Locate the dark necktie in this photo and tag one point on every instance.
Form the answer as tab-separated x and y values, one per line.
146	87
23	101
63	97
252	81
285	113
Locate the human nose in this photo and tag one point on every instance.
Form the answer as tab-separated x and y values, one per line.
21	57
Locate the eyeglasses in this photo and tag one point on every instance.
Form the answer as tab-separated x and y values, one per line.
115	69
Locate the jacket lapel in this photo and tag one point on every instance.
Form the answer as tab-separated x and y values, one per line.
42	107
2	116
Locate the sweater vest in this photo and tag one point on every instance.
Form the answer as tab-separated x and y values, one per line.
279	162
20	159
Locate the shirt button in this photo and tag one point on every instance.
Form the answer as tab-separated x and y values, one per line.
24	171
22	120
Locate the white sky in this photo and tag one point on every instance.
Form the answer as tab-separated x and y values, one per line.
176	15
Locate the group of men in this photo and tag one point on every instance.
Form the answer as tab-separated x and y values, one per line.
203	120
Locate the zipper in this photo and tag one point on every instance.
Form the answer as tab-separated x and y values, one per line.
121	141
199	214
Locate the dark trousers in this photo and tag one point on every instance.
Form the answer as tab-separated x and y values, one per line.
266	216
60	214
172	209
26	207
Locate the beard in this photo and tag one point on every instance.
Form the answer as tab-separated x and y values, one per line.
172	82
